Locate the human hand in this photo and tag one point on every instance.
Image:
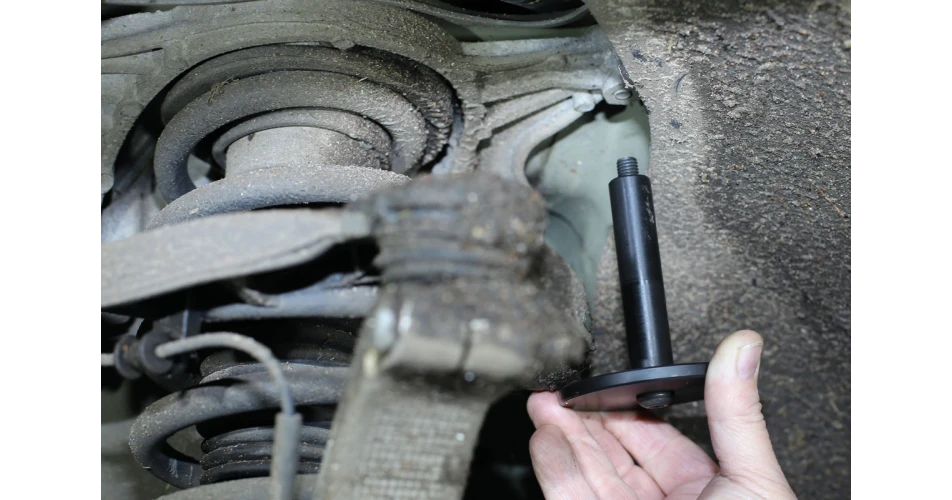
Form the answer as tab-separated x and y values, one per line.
633	455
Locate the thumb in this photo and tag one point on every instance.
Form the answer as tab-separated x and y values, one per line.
738	431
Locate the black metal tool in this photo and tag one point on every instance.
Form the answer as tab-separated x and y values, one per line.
654	381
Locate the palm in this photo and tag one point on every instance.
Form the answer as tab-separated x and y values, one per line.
633	455
607	449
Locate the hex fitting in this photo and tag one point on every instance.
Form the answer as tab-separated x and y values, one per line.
135	356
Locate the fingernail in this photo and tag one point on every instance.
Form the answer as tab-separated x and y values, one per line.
749	360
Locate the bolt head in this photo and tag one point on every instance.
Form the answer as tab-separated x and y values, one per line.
656	400
622	94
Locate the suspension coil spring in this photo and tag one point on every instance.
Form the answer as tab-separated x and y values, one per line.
293	124
240	446
288	125
233	406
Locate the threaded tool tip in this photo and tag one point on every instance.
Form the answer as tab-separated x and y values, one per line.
627	167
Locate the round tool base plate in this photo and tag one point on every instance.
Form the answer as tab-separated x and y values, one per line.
619	391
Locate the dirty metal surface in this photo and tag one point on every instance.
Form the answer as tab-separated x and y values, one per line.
147	264
142	53
749	107
460	322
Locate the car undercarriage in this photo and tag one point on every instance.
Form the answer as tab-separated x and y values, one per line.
387	222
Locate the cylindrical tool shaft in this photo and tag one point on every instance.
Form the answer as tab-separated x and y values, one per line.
639	268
